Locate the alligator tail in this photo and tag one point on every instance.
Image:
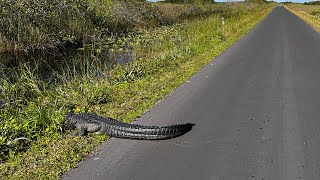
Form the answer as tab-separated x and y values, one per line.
119	129
133	131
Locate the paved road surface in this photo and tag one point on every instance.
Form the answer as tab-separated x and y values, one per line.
257	113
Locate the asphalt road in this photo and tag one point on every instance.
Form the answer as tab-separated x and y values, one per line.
257	113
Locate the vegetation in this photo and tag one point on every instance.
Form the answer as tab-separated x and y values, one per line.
190	1
257	1
45	24
312	3
119	70
287	2
40	24
310	13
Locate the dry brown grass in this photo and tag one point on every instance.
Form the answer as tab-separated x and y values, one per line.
309	13
5	46
304	9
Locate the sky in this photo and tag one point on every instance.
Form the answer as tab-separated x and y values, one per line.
299	1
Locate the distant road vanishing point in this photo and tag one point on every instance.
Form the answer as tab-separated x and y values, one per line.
257	113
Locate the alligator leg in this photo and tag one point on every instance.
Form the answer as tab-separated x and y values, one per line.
82	131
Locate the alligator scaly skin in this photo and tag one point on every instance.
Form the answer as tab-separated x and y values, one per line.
91	122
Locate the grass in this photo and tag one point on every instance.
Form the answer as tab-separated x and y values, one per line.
173	13
309	13
164	57
46	24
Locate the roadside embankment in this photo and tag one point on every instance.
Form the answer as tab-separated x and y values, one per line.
35	98
309	13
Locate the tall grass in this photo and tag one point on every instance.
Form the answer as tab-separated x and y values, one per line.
35	93
43	24
46	24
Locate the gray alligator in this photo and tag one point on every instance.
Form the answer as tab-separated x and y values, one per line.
91	122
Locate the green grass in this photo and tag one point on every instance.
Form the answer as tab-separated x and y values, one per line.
164	58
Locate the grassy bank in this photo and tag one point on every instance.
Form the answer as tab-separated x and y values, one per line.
45	24
164	57
309	13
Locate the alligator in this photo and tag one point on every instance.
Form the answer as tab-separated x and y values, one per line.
91	122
